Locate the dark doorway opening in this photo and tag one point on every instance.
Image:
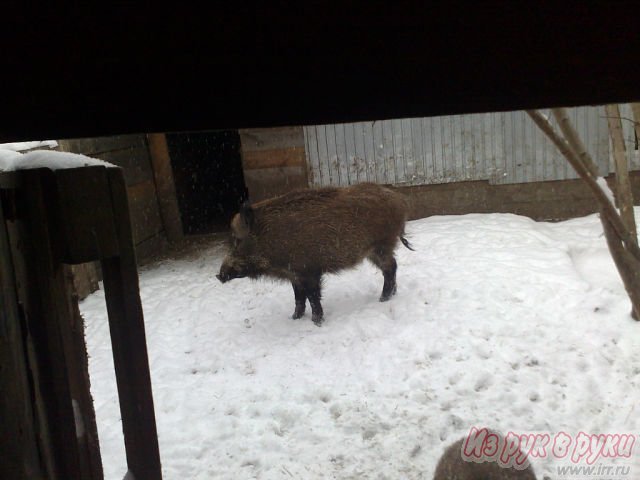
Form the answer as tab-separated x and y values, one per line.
209	180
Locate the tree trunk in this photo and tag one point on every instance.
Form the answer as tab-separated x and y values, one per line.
623	190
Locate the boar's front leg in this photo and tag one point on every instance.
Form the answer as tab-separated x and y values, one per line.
312	287
301	299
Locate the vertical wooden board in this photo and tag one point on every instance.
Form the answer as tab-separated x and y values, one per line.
487	154
448	152
128	339
307	155
370	151
165	186
507	171
396	156
466	146
57	354
18	442
332	155
599	132
528	149
378	145
535	151
323	155
628	132
360	152
459	146
351	155
470	144
432	148
438	149
386	150
417	147
409	160
550	164
342	155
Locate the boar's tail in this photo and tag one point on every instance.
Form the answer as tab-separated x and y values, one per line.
406	243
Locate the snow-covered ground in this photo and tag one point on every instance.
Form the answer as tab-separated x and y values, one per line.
498	321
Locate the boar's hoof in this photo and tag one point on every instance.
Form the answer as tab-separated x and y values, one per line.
317	319
387	295
298	313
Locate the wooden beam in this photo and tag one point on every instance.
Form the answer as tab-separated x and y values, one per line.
57	355
126	324
274	158
165	186
20	458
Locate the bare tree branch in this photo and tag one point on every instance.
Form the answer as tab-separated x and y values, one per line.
588	176
574	139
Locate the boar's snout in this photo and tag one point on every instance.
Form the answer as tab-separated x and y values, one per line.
228	272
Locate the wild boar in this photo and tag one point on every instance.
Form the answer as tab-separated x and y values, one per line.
452	466
304	234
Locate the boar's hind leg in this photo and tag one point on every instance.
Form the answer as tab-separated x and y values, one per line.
301	299
386	262
312	286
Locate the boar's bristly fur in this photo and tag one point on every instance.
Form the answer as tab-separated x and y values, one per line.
304	234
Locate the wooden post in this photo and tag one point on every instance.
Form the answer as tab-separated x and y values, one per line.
68	217
623	190
57	358
165	186
20	457
126	324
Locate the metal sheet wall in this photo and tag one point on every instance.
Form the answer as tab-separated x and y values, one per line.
503	147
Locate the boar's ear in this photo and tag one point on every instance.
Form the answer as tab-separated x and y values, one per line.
243	222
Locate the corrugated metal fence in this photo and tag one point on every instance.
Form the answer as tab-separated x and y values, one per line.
504	147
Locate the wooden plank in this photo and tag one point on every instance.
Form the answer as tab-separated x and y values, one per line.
145	212
86	229
417	174
18	443
148	248
165	186
323	155
408	154
311	151
351	155
273	158
370	151
359	153
271	138
342	162
136	163
126	325
56	336
85	279
98	145
271	182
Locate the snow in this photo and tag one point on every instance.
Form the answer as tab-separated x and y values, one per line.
18	146
11	160
605	188
499	321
